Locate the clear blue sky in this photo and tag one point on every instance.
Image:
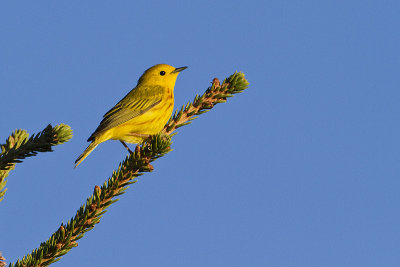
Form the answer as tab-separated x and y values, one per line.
302	169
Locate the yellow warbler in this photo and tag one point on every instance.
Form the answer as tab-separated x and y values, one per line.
142	112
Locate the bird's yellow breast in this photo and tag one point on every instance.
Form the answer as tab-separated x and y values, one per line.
149	123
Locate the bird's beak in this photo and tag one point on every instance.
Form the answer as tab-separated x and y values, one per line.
179	69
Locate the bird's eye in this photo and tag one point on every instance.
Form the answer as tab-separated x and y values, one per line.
162	73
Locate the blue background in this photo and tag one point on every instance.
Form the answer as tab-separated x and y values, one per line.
302	169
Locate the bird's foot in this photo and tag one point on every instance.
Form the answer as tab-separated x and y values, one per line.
126	146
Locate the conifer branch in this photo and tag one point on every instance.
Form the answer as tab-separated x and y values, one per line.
19	146
216	93
134	165
91	212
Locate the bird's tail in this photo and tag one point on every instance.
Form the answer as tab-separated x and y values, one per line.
86	153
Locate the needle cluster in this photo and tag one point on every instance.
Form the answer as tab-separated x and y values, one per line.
20	146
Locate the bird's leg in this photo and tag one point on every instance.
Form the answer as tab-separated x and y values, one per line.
139	135
137	149
123	143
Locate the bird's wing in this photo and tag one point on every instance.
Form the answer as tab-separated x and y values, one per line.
136	102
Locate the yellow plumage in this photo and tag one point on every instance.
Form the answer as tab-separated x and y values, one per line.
141	113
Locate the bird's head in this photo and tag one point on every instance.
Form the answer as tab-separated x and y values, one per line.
161	74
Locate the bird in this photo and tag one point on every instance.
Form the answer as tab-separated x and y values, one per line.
141	113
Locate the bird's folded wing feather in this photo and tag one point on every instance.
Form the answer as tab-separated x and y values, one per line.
135	103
